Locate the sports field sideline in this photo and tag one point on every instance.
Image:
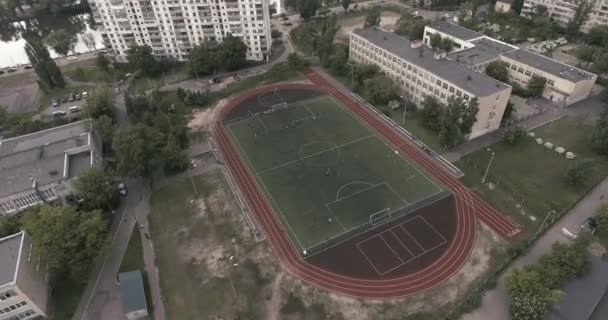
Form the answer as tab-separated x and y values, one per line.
325	173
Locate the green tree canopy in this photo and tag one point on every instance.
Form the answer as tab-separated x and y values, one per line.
410	26
100	102
372	19
431	113
345	4
104	127
581	15
97	187
233	52
9	224
536	86
67	241
379	90
599	139
137	149
103	63
498	70
141	58
203	60
307	8
61	41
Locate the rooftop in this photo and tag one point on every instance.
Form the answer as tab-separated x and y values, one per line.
132	291
465	78
9	257
548	65
456	31
41	156
485	50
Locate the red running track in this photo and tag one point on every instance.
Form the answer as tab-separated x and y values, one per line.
385	288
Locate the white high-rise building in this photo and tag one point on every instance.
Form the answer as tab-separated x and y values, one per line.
172	27
563	10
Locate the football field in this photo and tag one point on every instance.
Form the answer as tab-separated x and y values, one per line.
327	176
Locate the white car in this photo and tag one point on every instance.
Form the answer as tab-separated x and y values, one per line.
122	189
72	58
75	109
85	94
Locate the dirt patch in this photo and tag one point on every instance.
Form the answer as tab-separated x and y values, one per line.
203	120
388	19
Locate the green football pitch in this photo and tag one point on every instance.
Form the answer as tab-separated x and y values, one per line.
325	173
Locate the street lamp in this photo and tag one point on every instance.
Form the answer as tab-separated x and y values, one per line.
489	165
544	221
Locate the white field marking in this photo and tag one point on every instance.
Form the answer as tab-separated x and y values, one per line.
261	121
544	123
430	225
398	195
373	266
315	154
336	217
367	258
348	184
390	248
356	193
411	236
289	105
401	242
339	104
268	192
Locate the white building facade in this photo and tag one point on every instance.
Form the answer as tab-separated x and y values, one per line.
562	11
172	27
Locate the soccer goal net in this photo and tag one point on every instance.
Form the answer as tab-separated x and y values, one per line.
276	107
380	217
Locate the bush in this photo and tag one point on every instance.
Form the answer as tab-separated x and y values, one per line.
577	174
514	135
275	34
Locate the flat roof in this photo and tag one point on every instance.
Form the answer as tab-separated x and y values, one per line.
485	49
10	247
455	31
549	65
132	291
39	156
463	77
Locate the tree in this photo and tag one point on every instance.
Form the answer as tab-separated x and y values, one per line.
97	187
599	138
100	102
602	217
102	63
324	45
456	120
536	86
345	4
104	127
137	149
577	174
435	41
372	19
410	26
174	158
364	71
447	45
498	70
141	58
89	41
307	8
46	69
431	113
541	10
295	61
61	41
67	241
581	15
232	53
598	36
379	90
338	61
9	224
514	135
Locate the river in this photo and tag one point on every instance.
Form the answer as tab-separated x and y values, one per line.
12	53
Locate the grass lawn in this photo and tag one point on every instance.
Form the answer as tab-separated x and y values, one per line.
343	171
87	71
528	178
188	230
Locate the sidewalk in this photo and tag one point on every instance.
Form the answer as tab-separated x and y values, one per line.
495	302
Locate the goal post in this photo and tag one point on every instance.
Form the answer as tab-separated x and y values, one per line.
380	216
276	107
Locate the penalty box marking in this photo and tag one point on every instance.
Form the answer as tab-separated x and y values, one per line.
403	262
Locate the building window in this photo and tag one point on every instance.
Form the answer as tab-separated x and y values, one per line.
551	82
520	70
513	67
452	89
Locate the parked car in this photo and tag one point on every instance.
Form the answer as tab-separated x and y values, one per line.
27	67
11	70
287	24
55	103
236	77
58	114
122	189
78	96
64	100
85	94
71	97
1	71
590	224
75	109
72	58
212	81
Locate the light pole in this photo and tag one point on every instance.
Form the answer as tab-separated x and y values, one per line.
544	221
489	165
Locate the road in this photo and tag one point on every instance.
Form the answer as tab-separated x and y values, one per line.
61	61
495	302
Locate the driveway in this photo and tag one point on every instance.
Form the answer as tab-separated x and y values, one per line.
495	302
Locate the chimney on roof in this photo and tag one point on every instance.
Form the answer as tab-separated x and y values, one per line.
469	77
416	44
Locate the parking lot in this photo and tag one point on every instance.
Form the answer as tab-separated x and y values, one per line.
70	106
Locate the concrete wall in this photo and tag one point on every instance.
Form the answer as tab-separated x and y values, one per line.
428	31
32	278
491	110
502	6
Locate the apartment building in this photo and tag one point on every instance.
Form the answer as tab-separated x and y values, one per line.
37	168
562	11
172	27
565	84
421	72
23	280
